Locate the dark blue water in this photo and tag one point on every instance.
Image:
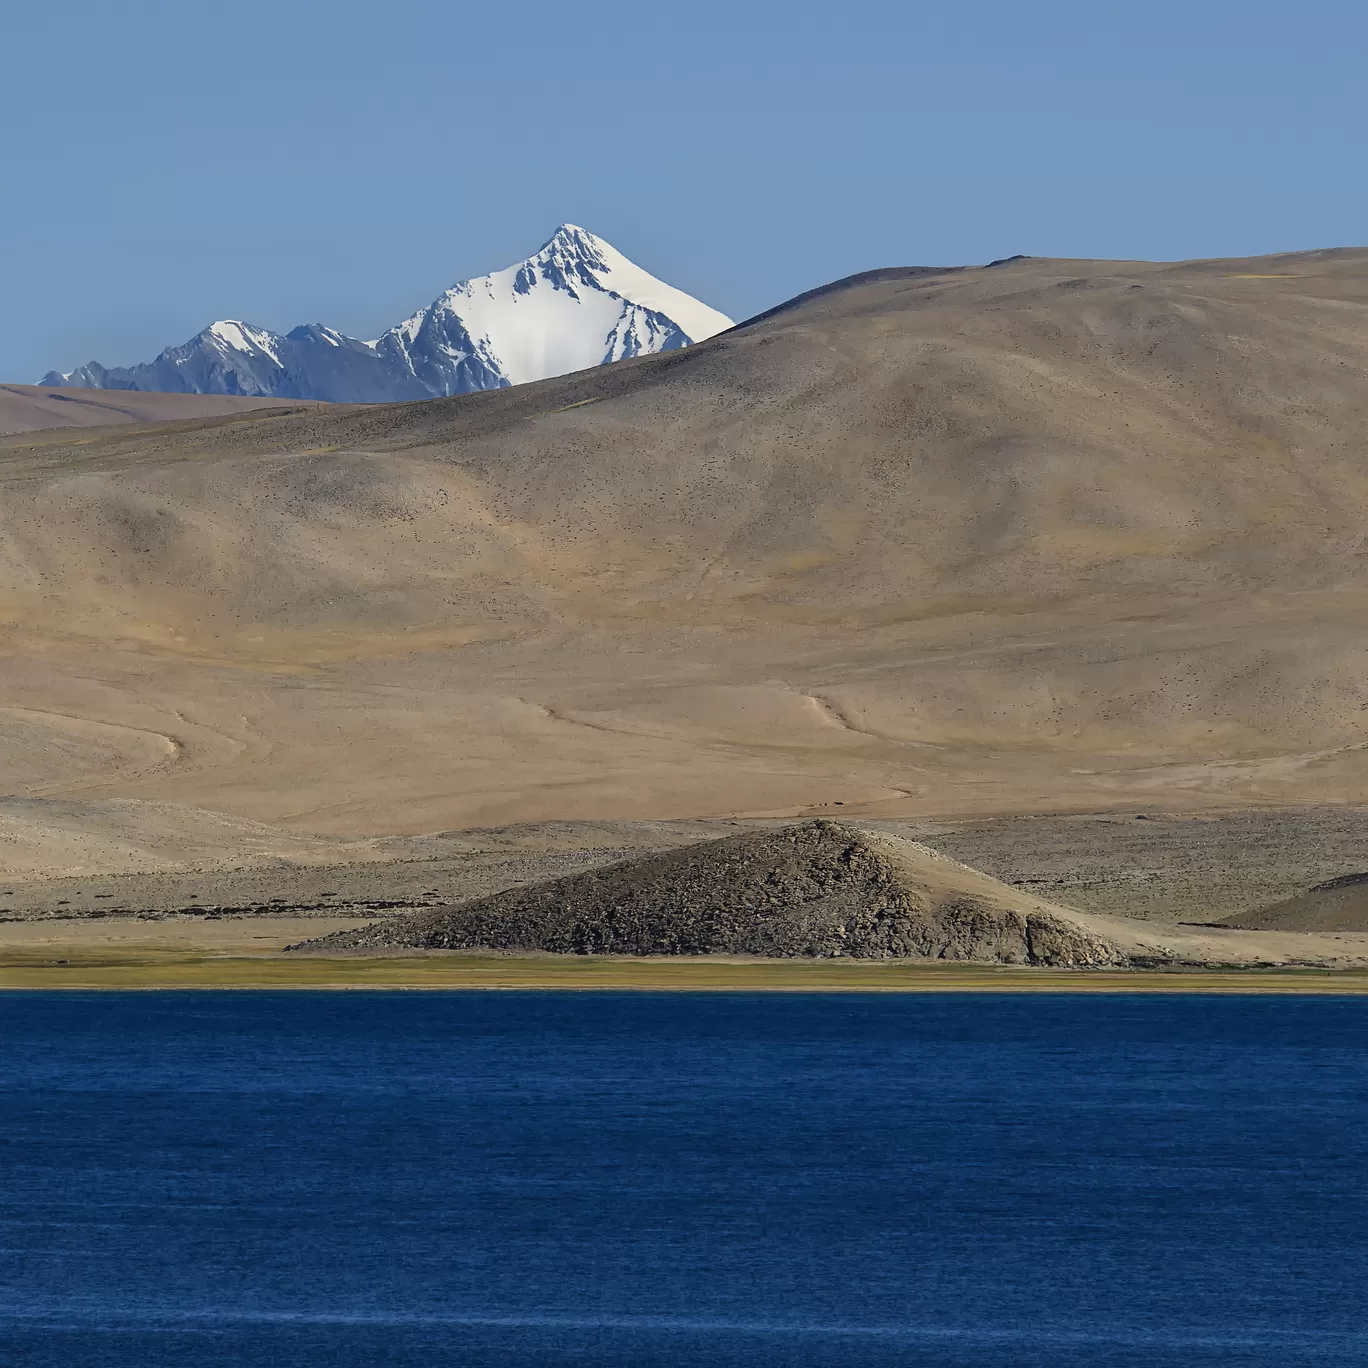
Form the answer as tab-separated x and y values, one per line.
629	1180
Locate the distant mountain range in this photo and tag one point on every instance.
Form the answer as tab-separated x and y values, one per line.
576	303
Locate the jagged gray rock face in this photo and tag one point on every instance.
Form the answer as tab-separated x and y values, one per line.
311	362
815	890
576	303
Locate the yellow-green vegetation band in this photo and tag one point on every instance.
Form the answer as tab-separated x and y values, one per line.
681	975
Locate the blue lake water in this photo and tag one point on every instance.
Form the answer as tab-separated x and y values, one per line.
627	1180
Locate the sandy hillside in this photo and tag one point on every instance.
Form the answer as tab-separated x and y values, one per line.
34	408
1051	535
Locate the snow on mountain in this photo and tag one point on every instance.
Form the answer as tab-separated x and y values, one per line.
576	303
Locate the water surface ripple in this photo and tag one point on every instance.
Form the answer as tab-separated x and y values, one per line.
630	1179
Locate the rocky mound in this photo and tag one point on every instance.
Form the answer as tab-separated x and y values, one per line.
1336	905
820	889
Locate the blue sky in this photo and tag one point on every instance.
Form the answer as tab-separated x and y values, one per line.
294	161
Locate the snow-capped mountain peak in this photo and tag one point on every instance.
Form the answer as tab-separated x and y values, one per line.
228	334
574	253
575	303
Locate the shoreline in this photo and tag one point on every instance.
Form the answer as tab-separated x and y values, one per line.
462	972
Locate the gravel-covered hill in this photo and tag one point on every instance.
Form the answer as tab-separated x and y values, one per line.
817	889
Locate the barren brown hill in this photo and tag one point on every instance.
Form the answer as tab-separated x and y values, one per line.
1041	536
33	408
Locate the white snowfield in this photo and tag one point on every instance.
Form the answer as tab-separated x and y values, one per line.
575	304
228	334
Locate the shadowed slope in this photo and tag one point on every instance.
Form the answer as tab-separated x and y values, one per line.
1335	905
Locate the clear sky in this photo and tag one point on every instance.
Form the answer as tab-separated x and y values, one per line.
284	161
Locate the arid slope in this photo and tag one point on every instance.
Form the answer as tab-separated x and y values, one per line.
1046	535
35	408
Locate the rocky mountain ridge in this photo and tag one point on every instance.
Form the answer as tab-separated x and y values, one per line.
574	304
